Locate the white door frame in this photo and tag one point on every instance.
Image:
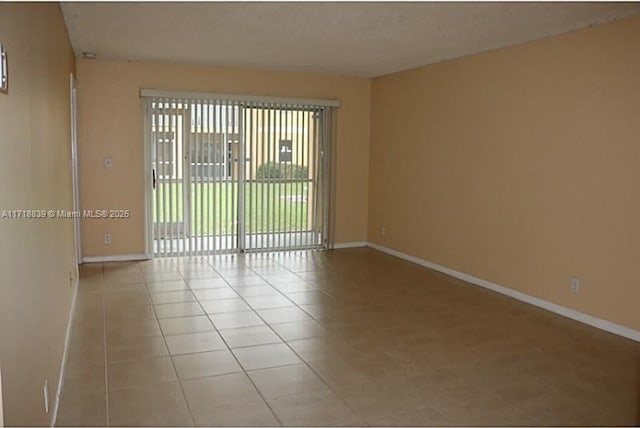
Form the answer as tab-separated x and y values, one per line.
74	168
152	177
319	141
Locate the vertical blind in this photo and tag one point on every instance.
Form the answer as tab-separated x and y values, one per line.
236	174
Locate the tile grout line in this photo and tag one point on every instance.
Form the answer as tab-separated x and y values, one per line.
321	324
244	371
289	346
164	340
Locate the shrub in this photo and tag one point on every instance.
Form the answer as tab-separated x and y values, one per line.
277	171
269	170
300	172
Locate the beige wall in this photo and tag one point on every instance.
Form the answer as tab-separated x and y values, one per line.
519	166
110	120
36	256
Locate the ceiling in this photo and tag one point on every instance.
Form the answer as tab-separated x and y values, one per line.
356	39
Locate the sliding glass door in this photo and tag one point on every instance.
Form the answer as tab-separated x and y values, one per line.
235	176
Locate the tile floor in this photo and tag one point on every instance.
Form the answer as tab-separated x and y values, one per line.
348	337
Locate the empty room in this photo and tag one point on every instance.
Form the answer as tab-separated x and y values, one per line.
320	214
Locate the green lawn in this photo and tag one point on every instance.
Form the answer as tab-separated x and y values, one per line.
269	207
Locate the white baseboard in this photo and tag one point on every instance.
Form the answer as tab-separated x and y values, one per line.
65	352
352	244
605	325
1	406
115	258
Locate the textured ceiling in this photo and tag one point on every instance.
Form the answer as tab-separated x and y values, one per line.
357	39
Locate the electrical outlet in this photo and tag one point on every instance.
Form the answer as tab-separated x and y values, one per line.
107	238
383	230
575	285
46	395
